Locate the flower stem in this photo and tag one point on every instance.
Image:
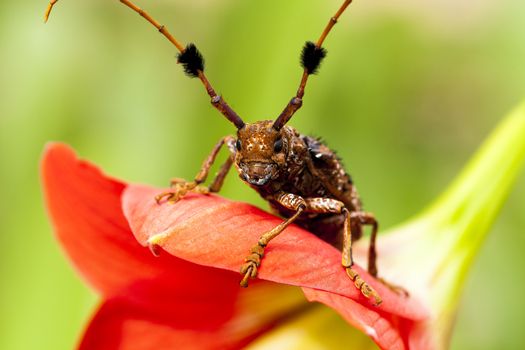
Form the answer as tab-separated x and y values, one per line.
432	253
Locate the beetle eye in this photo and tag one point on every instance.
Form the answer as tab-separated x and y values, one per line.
278	145
238	145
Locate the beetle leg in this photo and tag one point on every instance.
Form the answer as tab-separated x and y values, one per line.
217	182
329	205
364	218
176	180
253	261
348	262
312	205
179	190
180	186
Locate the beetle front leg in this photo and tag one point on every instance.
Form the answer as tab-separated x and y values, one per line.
312	205
364	218
181	187
253	261
347	260
369	219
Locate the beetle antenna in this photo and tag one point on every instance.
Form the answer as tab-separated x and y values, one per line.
311	57
190	58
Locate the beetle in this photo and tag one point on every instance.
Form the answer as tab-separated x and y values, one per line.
301	178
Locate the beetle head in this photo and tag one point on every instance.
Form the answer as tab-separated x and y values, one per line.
261	152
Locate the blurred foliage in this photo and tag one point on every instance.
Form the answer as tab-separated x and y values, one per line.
407	92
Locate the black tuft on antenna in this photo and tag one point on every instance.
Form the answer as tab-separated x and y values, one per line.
192	61
311	57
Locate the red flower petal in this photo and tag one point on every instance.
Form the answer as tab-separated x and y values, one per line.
85	208
170	299
387	330
213	231
121	325
167	298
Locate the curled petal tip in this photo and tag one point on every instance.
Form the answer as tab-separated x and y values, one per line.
157	239
154	249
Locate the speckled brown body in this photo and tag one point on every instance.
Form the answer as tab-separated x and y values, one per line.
305	167
303	181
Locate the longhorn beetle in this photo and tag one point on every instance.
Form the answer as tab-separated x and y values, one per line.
301	178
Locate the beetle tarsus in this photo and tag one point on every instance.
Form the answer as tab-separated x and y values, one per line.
251	263
164	195
180	188
247	275
364	287
176	181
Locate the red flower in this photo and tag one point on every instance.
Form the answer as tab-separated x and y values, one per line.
191	298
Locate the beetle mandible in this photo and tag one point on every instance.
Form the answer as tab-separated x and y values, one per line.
301	178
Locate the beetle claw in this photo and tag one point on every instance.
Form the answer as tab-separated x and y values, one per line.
249	268
364	287
180	188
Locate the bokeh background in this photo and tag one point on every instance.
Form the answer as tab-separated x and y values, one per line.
408	91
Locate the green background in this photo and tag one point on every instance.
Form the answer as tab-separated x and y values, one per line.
408	91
